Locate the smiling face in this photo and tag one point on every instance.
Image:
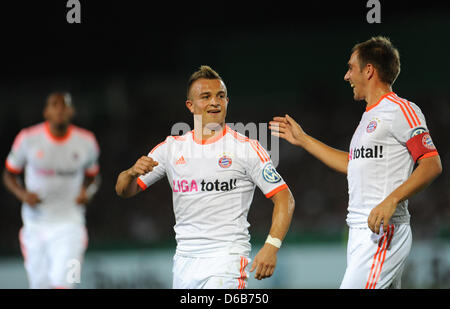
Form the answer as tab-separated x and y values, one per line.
208	101
356	77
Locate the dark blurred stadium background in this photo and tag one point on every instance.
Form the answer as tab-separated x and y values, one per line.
127	64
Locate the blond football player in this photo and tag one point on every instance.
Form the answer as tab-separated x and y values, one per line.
213	172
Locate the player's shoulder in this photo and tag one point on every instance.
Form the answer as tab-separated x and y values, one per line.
236	136
399	103
170	140
243	140
29	133
403	109
186	137
83	134
33	130
257	150
82	131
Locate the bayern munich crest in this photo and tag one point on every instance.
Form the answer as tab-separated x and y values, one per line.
371	126
225	162
427	142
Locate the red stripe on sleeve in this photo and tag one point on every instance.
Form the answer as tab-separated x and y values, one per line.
276	190
429	155
12	169
403	110
141	184
92	172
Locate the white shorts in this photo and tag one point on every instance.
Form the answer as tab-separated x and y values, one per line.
53	254
222	272
376	261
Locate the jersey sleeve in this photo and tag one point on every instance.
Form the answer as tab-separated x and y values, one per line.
92	167
410	129
262	171
159	154
16	159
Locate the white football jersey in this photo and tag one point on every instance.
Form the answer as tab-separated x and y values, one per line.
54	170
213	183
390	137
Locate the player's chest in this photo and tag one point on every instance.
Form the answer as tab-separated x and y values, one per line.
372	130
208	172
206	165
59	157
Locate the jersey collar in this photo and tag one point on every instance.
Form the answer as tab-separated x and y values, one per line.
381	99
57	139
209	140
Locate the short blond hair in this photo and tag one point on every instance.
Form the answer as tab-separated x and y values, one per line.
205	71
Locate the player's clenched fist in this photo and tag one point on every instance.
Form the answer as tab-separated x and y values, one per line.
142	166
126	185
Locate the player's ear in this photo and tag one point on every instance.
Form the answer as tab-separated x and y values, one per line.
190	105
370	71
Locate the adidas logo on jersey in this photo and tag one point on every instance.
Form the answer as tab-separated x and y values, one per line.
181	160
366	153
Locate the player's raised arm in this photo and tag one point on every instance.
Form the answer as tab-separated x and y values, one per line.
288	129
266	259
126	185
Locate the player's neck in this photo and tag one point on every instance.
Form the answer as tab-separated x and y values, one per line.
205	132
58	130
374	95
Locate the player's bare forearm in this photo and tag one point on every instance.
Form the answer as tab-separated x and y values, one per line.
14	186
126	185
427	170
87	181
288	129
88	189
283	210
331	157
266	259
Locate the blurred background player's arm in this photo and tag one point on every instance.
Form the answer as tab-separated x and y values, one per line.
266	259
288	129
88	189
14	185
126	185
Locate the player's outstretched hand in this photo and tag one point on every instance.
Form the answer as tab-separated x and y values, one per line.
142	166
31	198
286	127
381	214
265	262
